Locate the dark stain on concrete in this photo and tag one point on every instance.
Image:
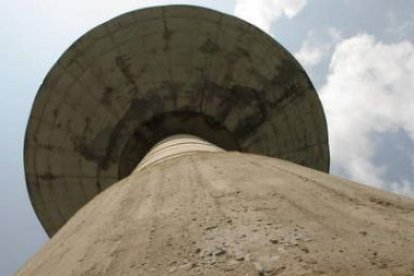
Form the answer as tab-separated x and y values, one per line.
124	65
103	148
252	106
209	47
286	73
141	71
55	112
149	118
238	57
90	153
241	52
249	104
98	184
47	176
87	127
107	96
166	47
98	149
165	124
167	34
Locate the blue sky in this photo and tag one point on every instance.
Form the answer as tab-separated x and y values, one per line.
359	55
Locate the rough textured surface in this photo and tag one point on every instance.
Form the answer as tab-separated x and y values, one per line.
233	214
151	73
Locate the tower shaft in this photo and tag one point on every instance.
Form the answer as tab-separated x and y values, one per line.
191	208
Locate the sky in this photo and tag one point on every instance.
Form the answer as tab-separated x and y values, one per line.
358	54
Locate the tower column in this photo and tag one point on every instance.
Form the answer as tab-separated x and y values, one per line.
175	146
191	208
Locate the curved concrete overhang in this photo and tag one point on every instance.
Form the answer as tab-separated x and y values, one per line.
152	73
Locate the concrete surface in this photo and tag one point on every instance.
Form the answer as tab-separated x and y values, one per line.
227	213
175	146
145	75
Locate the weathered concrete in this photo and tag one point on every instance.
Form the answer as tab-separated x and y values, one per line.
174	146
227	213
145	75
190	207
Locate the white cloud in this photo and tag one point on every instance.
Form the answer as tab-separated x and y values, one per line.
369	90
310	55
263	13
315	48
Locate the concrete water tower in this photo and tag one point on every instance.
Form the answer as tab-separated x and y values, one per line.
178	140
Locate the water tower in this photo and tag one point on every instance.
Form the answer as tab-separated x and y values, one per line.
178	140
